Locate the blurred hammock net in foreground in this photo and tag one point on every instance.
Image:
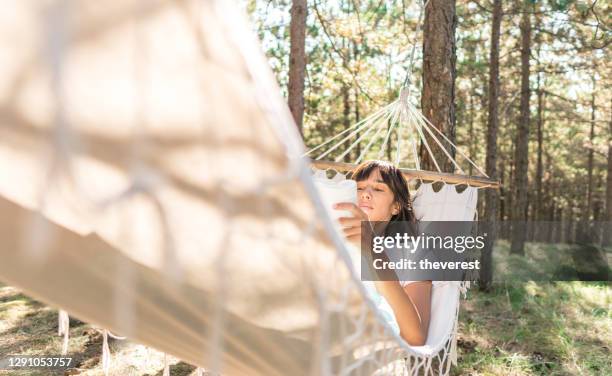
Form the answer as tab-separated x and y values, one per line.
151	183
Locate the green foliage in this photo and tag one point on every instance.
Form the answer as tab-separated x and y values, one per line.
357	61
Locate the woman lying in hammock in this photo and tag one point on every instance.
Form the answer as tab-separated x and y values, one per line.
383	196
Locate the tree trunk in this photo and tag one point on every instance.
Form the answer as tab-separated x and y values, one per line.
538	204
390	142
491	195
346	114
597	227
608	234
437	100
357	120
510	195
502	192
549	197
297	61
537	212
551	188
522	142
559	225
471	132
589	201
357	114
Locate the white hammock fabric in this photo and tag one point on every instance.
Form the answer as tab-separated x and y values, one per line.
446	204
152	183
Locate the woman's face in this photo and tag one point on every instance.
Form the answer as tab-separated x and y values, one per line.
375	198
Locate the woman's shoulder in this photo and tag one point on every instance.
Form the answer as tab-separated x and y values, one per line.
433	283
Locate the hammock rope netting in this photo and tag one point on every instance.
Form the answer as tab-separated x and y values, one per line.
152	183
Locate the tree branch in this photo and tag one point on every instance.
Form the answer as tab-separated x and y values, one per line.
342	56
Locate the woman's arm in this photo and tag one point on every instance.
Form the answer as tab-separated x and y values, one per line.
411	306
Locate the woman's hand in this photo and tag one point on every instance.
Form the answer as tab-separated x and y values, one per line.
352	225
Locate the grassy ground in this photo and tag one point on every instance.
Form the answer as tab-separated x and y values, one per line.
526	328
562	328
30	328
537	328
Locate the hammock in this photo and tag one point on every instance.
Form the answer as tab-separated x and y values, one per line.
439	351
152	183
411	129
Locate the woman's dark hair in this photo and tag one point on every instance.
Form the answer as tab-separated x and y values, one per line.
404	222
394	179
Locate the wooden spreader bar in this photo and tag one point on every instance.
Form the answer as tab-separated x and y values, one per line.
475	181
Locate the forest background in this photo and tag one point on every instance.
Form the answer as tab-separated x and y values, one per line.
552	130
